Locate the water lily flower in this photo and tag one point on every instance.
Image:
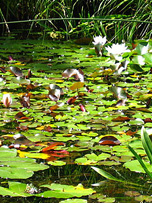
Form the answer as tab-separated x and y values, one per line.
116	51
99	43
7	100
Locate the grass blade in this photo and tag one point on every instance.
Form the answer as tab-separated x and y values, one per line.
111	177
140	161
106	174
147	143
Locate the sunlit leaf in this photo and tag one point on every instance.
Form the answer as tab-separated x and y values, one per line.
23	154
138	60
77	85
21	81
65	191
134	165
52	146
16	71
77	74
16	189
57	163
148	58
106	174
142	48
17	168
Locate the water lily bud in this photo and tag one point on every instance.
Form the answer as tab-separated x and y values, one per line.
98	43
7	100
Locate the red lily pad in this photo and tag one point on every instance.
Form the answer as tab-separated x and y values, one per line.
21	116
52	146
121	118
109	140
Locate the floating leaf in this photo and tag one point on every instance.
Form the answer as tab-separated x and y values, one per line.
82	107
21	116
33	155
55	92
15	167
16	71
74	201
109	140
16	189
65	191
77	74
72	99
118	92
25	100
77	85
134	165
21	81
121	118
52	146
57	163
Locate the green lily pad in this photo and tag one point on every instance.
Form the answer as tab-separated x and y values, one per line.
65	191
74	201
135	166
16	189
14	167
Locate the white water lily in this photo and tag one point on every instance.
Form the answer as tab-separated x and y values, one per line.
116	51
7	100
99	42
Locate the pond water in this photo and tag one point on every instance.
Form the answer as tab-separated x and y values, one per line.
65	110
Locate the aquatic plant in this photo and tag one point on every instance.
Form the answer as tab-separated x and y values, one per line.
147	145
117	20
7	100
116	51
99	42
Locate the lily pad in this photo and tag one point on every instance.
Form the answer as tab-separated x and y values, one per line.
65	191
14	167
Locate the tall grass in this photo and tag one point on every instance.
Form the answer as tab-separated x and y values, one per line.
68	11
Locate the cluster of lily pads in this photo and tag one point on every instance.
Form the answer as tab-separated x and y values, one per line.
77	103
122	56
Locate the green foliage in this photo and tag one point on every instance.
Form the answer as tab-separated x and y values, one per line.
51	116
117	20
17	189
138	165
147	144
13	167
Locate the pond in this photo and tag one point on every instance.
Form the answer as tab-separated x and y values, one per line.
63	110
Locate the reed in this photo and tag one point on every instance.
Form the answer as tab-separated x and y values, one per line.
118	20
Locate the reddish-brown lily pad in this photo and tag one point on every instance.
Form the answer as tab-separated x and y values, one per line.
121	118
109	140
